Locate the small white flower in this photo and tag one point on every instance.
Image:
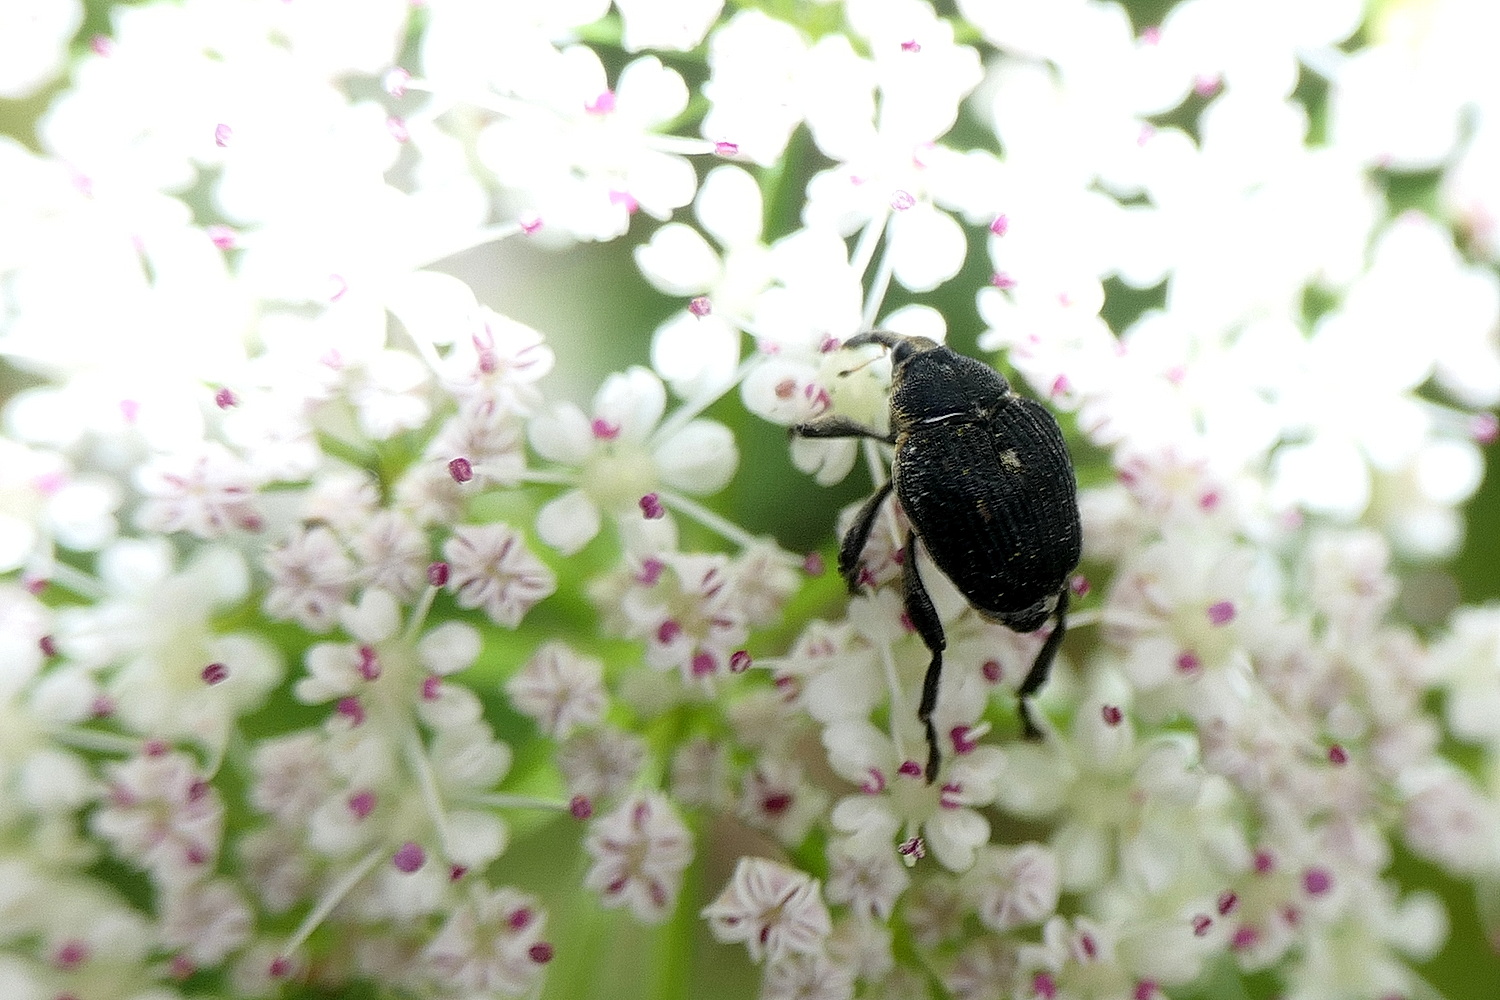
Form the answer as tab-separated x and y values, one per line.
895	799
776	911
310	579
490	944
775	797
560	689
640	850
600	764
622	455
1013	887
499	363
207	494
865	876
491	568
162	815
807	977
393	554
206	921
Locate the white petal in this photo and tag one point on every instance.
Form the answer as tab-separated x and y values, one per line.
433	307
700	458
562	434
952	836
474	839
569	522
449	647
927	247
632	402
729	206
649	94
678	260
696	354
374	619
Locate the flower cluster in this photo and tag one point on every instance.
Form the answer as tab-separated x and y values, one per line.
364	620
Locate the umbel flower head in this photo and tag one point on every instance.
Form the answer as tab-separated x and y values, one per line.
409	587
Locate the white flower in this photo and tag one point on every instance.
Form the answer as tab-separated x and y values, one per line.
491	568
623	455
499	362
777	911
640	850
588	155
754	88
491	943
600	764
162	815
776	797
560	689
206	921
1013	887
207	494
310	578
865	876
895	799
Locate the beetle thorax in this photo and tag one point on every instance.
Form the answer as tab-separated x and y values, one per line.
940	384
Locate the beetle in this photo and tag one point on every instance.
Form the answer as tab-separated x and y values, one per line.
987	485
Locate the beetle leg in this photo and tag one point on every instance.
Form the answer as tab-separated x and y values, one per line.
924	618
1041	666
858	535
839	427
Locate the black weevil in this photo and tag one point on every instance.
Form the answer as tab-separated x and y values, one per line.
987	484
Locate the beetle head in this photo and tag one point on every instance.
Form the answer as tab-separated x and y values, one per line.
901	346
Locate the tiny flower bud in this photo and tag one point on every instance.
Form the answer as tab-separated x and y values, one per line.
651	507
580	807
460	470
739	661
902	200
351	709
813	565
1221	613
222	237
409	857
912	848
1112	715
1317	881
1337	755
1002	281
214	673
700	306
456	872
540	953
225	399
437	574
1079	585
48	645
1000	226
